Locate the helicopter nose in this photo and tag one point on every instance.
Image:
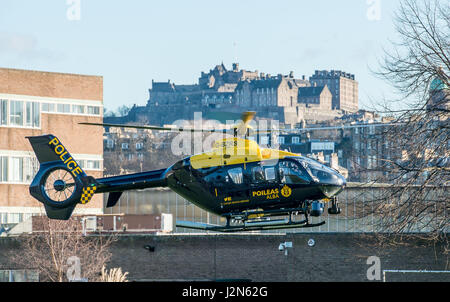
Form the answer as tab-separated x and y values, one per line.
334	185
335	179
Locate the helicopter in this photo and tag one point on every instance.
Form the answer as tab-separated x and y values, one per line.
253	188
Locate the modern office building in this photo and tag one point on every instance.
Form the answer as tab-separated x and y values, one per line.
34	103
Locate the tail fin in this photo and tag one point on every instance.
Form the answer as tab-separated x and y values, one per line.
60	183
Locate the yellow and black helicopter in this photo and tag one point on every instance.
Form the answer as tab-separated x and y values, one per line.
254	188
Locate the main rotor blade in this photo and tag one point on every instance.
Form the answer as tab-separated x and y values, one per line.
325	128
174	129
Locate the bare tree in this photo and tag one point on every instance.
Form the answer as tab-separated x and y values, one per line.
56	249
416	158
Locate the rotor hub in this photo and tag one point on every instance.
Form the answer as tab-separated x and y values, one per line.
59	185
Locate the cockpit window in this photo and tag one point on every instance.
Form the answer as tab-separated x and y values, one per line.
236	175
263	174
291	173
270	173
257	174
319	171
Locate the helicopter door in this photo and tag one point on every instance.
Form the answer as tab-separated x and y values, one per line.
292	176
264	184
236	189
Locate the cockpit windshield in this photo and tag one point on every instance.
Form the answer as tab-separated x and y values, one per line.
291	173
318	171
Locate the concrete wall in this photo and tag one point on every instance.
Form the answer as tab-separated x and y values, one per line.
335	257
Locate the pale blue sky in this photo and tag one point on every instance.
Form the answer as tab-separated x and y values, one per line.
130	43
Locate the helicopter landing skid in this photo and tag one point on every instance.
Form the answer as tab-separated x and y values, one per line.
249	226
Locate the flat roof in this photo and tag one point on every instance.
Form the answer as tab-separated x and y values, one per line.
49	72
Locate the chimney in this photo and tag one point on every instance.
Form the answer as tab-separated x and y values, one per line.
334	161
291	74
303	77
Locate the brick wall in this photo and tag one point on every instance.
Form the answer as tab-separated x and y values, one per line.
50	84
335	257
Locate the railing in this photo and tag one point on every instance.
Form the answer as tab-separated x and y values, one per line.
356	202
19	276
413	272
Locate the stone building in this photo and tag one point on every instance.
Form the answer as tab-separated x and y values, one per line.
315	96
225	93
220	78
343	87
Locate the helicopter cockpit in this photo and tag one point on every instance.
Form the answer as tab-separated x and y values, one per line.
333	182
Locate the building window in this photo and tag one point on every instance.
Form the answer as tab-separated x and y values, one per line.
93	165
139	146
15	218
296	140
3	218
124	146
33	114
94	110
16	171
281	140
110	143
80	109
36	114
3	169
28	116
48	107
30	167
3	112
16	113
63	108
